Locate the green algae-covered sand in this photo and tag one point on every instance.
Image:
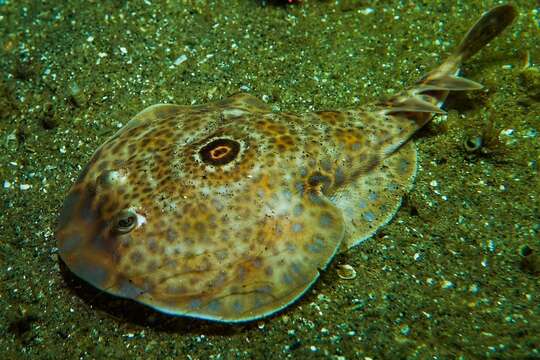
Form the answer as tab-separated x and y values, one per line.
456	274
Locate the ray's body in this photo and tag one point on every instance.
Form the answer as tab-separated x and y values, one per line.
228	211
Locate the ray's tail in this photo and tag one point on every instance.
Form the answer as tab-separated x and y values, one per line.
490	25
418	104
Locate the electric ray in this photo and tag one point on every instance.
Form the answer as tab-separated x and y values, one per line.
228	211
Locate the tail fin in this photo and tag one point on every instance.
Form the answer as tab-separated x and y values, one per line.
415	107
491	24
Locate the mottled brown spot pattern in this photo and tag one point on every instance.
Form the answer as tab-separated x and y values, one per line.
227	211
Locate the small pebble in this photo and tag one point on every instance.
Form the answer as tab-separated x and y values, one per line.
367	11
491	246
180	59
447	284
530	133
76	95
474	288
405	330
507	137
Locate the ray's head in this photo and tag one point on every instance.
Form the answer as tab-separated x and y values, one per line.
112	207
96	220
157	200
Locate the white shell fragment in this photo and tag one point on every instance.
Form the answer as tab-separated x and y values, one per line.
346	272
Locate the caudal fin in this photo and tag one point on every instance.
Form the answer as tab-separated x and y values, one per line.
491	24
415	107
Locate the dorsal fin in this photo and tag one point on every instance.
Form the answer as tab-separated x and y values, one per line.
414	103
447	82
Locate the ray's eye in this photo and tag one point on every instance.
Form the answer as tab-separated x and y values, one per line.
219	151
125	221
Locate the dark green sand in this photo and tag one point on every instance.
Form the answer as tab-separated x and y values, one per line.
456	274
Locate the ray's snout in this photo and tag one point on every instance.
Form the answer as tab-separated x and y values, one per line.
83	237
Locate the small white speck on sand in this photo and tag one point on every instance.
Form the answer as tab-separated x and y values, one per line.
447	284
180	59
367	11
